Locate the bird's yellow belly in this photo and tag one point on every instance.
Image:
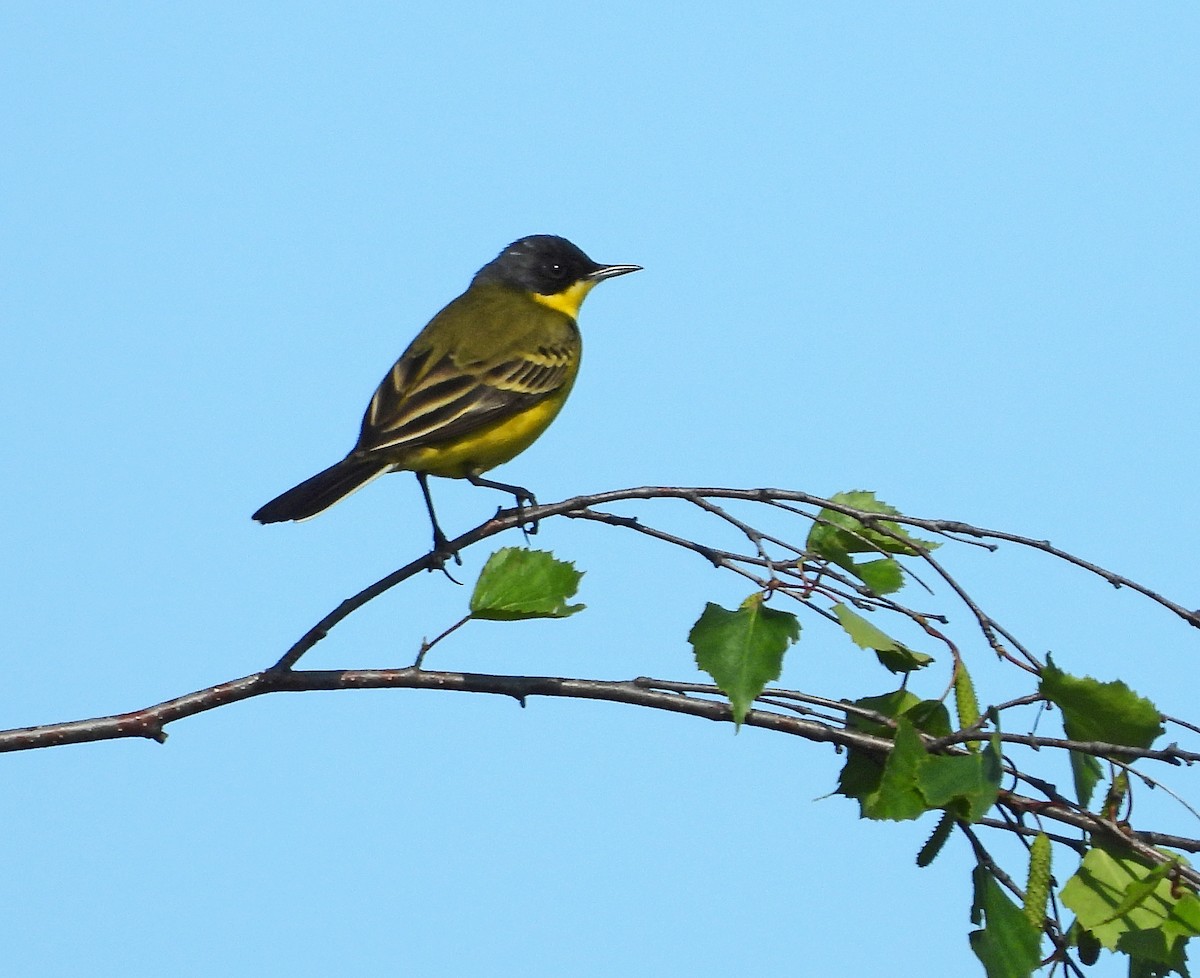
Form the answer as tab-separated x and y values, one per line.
488	447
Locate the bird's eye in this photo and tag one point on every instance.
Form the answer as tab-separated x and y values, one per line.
555	270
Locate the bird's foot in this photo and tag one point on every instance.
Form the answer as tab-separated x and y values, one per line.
441	553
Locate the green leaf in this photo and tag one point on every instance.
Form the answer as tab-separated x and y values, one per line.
882	576
834	535
894	704
516	584
1094	711
1087	773
962	784
898	798
1152	956
1128	905
930	717
894	656
743	650
1140	890
910	780
861	774
1007	945
1187	912
859	779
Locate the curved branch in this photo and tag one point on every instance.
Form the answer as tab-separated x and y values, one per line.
149	723
583	507
795	572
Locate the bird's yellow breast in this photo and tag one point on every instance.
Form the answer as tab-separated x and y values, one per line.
489	446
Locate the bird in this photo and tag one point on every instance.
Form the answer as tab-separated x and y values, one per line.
476	387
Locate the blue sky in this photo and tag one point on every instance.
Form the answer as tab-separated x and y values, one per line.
938	251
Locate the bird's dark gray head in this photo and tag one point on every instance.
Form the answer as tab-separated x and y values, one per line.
546	264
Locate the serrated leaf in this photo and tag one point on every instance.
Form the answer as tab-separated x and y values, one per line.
930	717
911	780
1007	945
859	779
898	798
1111	713
942	779
967	786
1187	913
516	584
961	783
743	650
1152	954
1140	890
893	655
882	576
1109	896
1087	772
860	775
835	535
902	659
892	705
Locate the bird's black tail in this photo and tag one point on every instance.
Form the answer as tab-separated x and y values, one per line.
321	491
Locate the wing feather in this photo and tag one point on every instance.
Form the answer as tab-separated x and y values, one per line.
420	404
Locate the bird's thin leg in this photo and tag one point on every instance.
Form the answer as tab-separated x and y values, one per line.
440	543
522	495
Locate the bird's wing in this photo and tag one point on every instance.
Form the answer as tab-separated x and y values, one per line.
423	401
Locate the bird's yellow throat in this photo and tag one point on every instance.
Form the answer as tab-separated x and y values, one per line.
569	299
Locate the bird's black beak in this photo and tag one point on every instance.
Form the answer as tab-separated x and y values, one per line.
601	272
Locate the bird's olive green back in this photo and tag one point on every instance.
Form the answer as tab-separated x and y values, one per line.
494	352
